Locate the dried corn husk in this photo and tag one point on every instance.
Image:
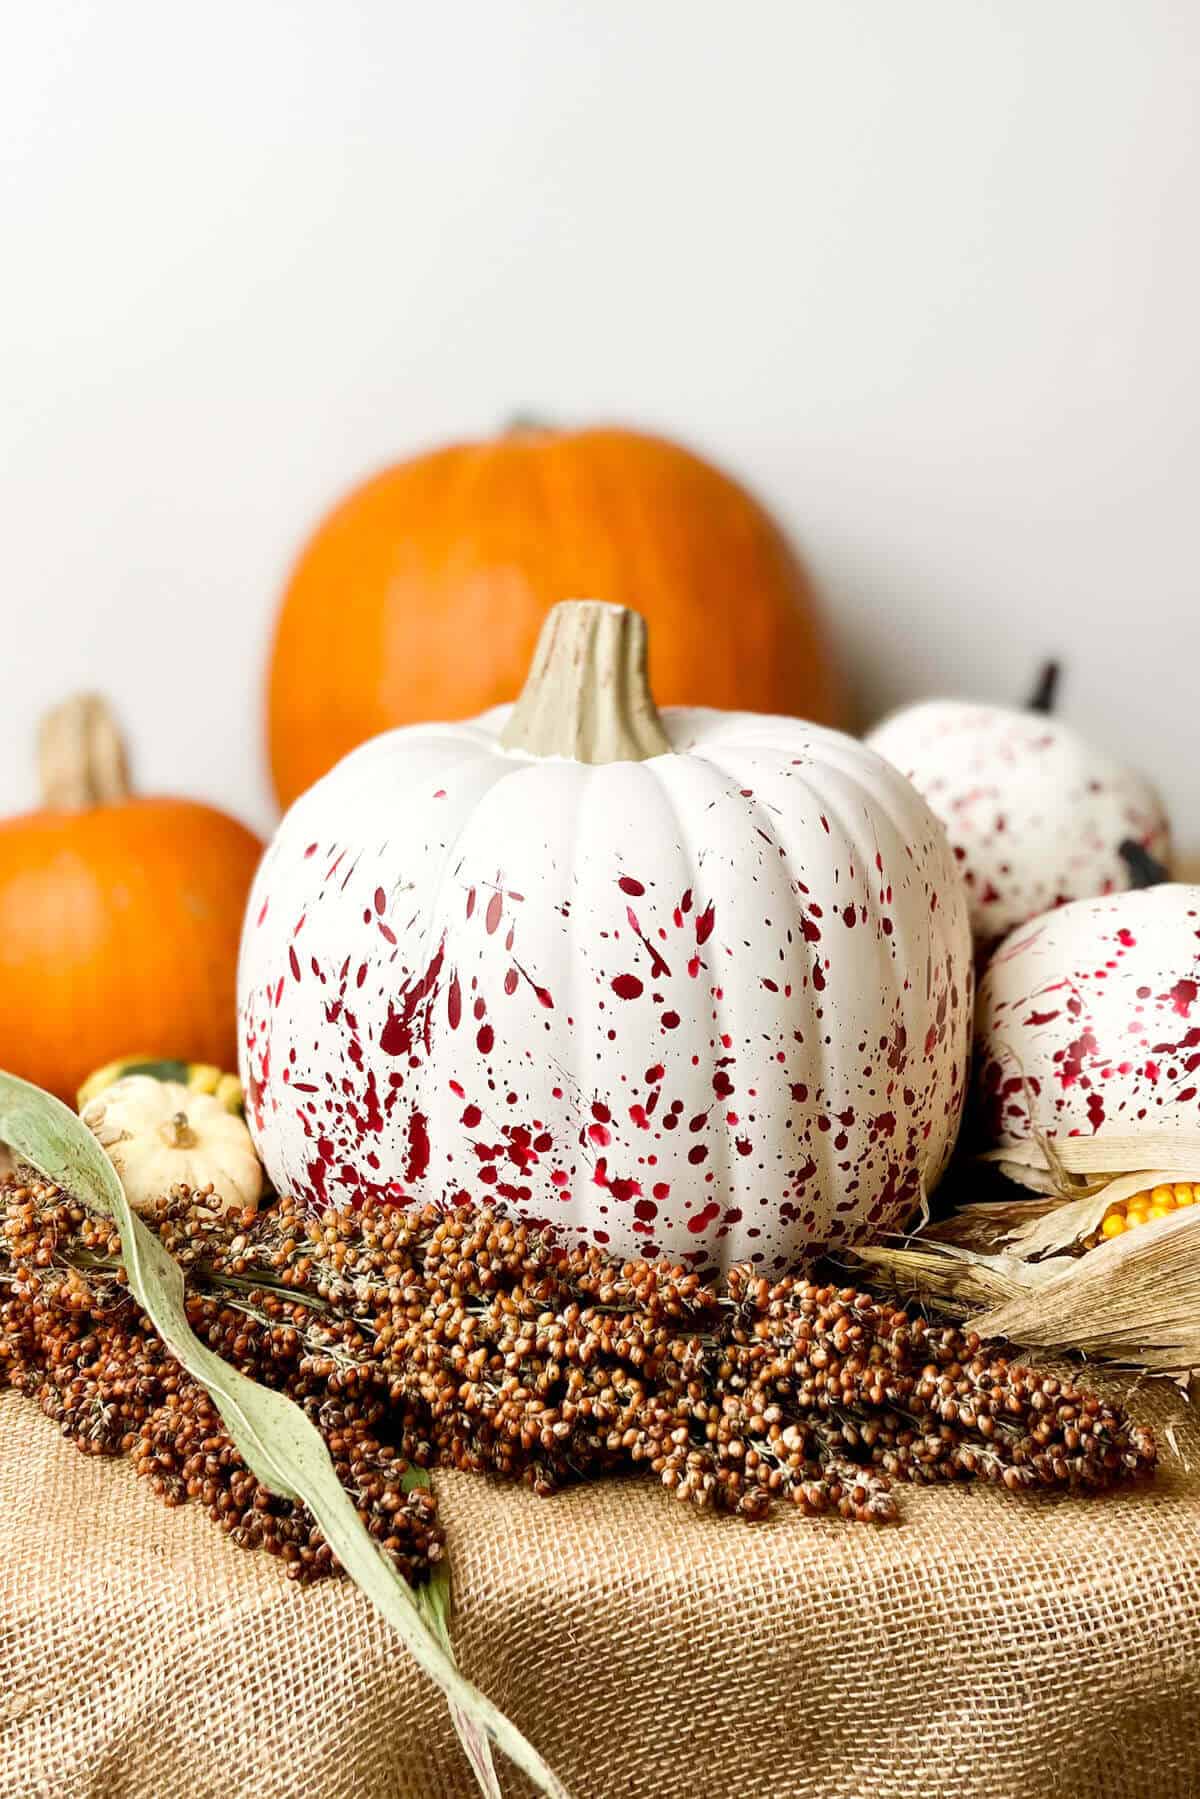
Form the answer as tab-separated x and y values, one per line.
1018	1268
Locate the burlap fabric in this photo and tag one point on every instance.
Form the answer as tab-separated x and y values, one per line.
987	1648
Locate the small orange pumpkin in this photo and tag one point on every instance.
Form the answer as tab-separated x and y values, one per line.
422	594
119	916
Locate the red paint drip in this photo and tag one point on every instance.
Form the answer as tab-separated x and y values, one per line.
413	1020
657	966
542	994
418	1147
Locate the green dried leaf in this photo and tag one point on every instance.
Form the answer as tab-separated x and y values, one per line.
434	1604
280	1445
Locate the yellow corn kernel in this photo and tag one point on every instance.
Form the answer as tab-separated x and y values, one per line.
1146	1207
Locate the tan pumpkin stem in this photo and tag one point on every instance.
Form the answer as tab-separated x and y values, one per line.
81	756
177	1133
587	695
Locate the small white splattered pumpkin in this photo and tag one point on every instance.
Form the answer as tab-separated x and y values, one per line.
1089	1022
698	983
1035	813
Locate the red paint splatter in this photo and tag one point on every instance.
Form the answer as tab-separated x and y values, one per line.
413	1020
542	993
704	923
626	986
700	1221
627	884
495	908
418	1147
1072	1058
1183	997
658	967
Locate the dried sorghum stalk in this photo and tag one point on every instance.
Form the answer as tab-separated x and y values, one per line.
466	1339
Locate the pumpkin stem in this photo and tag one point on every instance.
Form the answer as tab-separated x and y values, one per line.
587	695
81	756
525	424
1045	693
177	1133
1145	870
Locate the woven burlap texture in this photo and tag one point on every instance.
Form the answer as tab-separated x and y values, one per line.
989	1647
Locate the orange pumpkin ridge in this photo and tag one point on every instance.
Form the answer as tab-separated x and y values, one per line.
422	594
119	920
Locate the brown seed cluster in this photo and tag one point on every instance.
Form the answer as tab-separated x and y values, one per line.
466	1339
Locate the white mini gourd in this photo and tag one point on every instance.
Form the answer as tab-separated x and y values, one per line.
696	982
158	1134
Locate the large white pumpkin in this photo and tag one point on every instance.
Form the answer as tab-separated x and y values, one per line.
1089	1022
699	985
1035	813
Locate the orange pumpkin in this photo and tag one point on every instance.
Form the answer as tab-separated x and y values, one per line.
119	916
422	594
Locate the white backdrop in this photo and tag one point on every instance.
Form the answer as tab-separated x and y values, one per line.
926	275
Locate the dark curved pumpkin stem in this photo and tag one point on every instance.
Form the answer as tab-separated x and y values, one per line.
1145	870
1045	693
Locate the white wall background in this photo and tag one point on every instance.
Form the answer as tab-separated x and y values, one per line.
927	275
